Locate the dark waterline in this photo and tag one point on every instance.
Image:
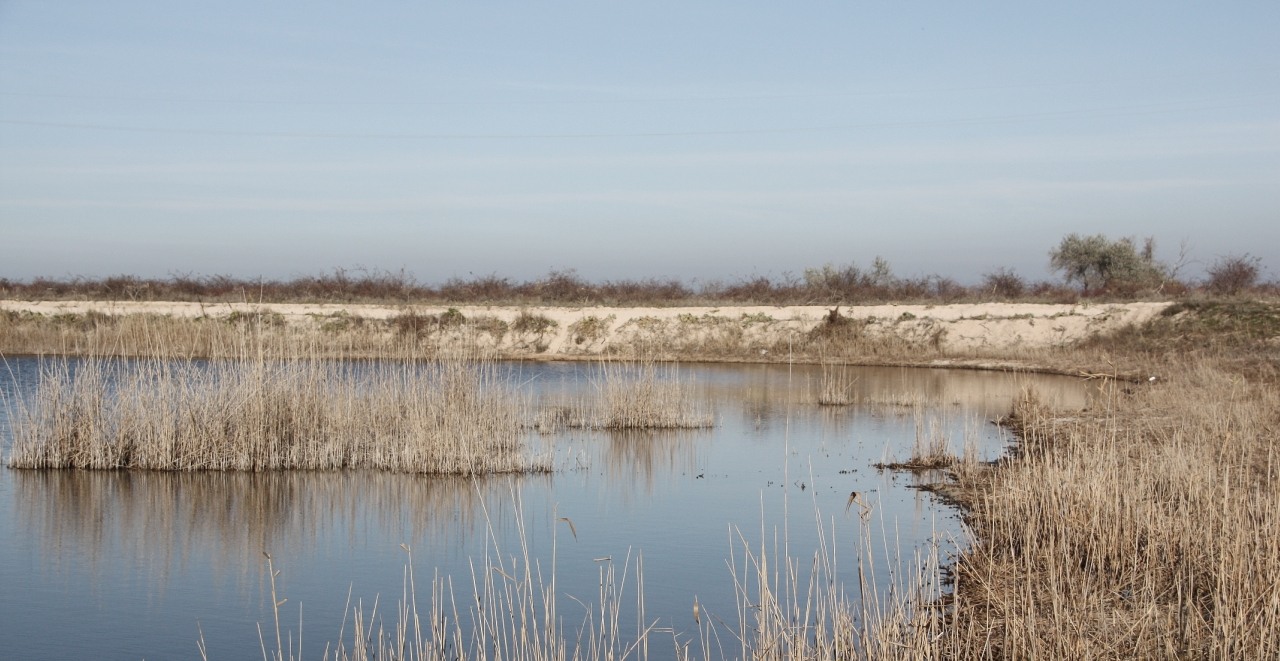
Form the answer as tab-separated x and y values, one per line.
130	564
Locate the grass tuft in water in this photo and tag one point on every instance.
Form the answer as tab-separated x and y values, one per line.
448	416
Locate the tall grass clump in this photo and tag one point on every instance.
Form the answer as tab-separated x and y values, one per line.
1142	528
644	395
785	605
836	385
450	416
633	395
799	606
511	609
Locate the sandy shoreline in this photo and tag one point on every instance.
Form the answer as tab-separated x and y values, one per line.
590	330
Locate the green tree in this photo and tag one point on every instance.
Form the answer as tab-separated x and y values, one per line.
1101	264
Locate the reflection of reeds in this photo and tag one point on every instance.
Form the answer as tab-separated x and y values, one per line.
452	416
165	519
635	457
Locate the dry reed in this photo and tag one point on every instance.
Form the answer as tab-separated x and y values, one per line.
1142	529
512	612
836	385
453	416
633	395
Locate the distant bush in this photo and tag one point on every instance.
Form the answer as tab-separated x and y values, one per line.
1090	265
564	286
1003	283
1232	274
527	322
482	289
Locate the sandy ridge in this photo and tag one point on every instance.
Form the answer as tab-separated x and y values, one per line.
588	330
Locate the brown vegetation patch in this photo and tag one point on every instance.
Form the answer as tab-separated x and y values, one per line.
253	414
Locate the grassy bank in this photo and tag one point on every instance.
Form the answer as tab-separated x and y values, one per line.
870	335
1142	528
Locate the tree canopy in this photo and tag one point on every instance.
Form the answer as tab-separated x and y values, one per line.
1097	263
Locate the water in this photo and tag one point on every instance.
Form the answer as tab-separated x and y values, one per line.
131	565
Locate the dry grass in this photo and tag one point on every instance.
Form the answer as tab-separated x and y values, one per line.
453	416
836	385
786	607
633	395
932	449
1145	529
407	335
1142	528
797	607
511	610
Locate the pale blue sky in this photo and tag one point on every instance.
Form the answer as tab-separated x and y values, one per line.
694	140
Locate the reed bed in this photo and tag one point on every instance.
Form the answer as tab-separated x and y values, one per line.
1143	529
934	449
787	607
633	395
835	387
510	610
453	416
798	607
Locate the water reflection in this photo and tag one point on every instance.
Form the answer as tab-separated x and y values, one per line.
162	520
193	542
768	391
634	458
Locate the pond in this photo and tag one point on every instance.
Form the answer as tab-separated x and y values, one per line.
130	565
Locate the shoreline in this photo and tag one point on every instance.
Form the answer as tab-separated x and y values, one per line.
964	330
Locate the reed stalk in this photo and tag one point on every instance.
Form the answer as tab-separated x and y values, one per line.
630	396
254	413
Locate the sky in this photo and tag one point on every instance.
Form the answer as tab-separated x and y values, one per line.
702	141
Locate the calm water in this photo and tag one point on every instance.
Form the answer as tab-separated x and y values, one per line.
140	565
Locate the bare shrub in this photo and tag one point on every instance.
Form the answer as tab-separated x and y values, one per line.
1232	274
758	289
481	289
528	322
1003	283
589	329
651	291
559	286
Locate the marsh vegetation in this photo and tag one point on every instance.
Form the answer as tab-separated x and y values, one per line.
1138	527
453	415
450	416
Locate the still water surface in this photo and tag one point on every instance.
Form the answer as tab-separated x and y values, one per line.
131	565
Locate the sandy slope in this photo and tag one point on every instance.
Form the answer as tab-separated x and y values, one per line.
587	330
